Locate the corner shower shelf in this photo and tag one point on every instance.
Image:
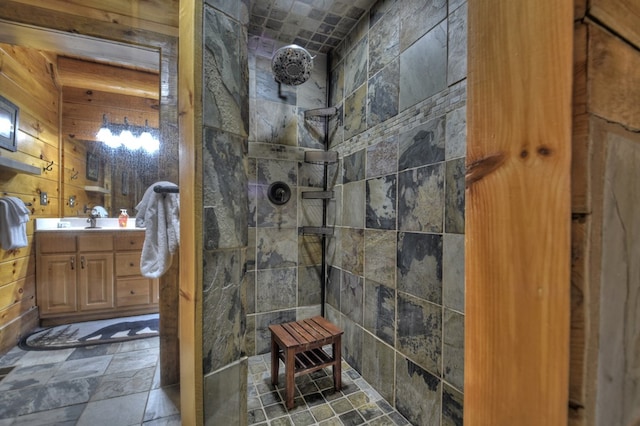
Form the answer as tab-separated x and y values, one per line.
320	156
317	195
18	166
317	113
316	230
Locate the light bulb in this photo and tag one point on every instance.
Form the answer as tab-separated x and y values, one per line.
104	134
128	140
149	143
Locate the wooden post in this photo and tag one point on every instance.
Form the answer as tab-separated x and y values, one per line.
518	212
190	113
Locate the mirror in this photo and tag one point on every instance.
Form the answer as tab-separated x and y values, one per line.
98	173
100	82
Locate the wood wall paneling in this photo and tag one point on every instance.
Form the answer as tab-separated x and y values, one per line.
158	16
518	212
26	80
614	78
622	16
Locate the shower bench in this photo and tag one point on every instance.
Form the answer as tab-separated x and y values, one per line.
299	345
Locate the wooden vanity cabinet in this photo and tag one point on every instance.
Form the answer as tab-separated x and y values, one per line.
91	275
131	287
57	277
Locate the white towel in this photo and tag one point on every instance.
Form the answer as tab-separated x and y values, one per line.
160	215
13	223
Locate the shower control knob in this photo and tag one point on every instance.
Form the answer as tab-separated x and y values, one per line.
279	193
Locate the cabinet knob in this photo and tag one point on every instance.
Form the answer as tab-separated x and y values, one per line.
133	292
130	263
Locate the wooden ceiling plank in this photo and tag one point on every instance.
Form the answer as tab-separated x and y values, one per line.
82	74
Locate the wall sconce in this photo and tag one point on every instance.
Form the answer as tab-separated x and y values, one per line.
129	136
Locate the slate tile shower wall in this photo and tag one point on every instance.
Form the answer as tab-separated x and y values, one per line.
283	268
224	257
396	275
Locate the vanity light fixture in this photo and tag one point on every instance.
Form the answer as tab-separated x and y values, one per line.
129	136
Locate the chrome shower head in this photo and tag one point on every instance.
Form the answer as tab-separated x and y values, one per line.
291	65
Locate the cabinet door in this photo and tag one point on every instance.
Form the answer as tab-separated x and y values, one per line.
57	284
95	278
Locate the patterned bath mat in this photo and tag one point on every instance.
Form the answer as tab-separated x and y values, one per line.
91	333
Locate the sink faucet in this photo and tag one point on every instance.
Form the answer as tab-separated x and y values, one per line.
93	217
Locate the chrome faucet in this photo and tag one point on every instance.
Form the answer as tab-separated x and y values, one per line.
93	217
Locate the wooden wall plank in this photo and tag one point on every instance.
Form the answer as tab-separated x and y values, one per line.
166	11
105	99
518	212
93	114
190	76
10	334
17	298
580	190
613	78
621	16
26	69
16	269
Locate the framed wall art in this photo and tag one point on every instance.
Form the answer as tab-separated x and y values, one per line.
93	166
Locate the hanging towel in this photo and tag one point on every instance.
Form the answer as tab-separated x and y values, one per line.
160	215
13	223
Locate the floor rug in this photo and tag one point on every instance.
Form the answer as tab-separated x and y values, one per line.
92	333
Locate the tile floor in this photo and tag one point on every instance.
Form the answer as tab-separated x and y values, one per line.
316	401
111	384
118	384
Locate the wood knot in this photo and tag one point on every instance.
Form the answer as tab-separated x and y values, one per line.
544	151
484	166
524	153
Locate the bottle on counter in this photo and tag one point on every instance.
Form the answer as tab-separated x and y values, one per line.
122	219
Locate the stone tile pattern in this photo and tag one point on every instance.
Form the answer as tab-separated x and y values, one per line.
316	400
397	290
116	383
225	209
283	271
319	26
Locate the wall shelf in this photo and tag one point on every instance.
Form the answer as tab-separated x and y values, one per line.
18	166
320	156
317	195
97	189
316	230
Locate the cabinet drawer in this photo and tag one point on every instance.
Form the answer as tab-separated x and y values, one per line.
130	241
57	243
133	291
95	242
128	263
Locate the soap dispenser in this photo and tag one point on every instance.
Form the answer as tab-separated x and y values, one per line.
122	219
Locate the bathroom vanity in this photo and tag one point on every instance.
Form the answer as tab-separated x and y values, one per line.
86	274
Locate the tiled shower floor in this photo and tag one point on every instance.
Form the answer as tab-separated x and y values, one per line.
118	384
316	401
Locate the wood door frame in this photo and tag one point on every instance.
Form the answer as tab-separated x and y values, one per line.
518	216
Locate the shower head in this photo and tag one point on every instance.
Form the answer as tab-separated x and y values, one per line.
291	65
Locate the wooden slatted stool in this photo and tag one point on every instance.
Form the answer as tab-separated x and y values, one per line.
299	345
